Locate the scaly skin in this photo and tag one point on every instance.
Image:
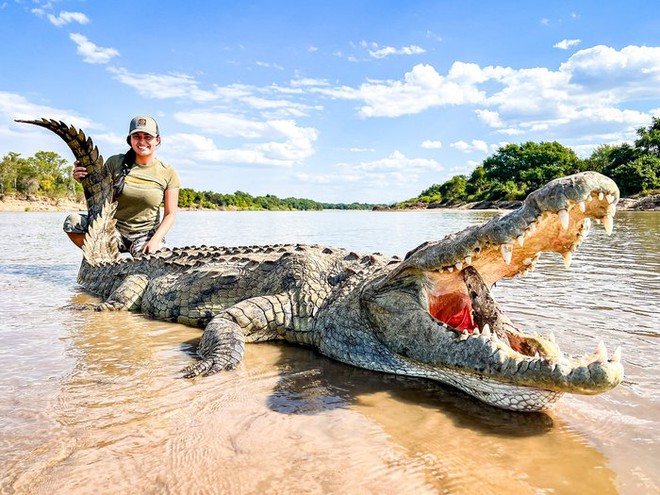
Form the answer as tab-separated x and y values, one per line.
430	315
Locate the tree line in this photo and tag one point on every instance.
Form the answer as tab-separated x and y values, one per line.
189	198
516	170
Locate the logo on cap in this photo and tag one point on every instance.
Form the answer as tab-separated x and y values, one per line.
141	122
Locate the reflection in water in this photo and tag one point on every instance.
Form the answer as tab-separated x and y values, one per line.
93	402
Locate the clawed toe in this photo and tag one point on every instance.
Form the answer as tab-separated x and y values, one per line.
206	367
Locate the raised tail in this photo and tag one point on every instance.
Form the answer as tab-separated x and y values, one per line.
98	182
100	242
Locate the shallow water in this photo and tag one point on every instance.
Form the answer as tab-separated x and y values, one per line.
92	402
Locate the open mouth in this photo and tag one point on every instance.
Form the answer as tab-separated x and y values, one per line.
459	297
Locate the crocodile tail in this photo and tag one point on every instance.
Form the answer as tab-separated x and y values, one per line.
99	181
101	241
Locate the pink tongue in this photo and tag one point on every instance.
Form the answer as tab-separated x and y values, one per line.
455	310
462	320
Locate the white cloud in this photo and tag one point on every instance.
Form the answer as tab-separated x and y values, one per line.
15	106
267	100
91	53
270	142
421	89
474	145
268	65
431	145
306	81
166	86
397	161
386	51
632	72
28	139
566	44
490	118
65	18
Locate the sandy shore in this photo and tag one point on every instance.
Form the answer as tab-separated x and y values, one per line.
13	203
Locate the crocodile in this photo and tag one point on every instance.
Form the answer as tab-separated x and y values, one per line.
429	314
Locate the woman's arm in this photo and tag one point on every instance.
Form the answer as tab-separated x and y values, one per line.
171	204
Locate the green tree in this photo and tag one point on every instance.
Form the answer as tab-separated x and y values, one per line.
648	141
476	184
530	165
453	191
9	171
639	175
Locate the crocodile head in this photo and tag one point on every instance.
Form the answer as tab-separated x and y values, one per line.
435	311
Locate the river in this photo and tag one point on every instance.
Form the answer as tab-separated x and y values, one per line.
93	403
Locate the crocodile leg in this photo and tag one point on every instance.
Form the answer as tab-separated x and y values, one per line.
223	344
221	348
128	296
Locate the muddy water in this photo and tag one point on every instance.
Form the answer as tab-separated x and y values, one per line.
92	402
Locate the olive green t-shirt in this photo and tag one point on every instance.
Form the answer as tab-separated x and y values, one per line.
138	206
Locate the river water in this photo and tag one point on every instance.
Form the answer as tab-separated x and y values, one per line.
93	403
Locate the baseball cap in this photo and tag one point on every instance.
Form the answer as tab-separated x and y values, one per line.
143	123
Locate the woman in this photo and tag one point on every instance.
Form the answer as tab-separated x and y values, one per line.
142	184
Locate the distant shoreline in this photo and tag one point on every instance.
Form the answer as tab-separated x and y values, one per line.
35	204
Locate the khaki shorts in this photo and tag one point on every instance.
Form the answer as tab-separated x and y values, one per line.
77	223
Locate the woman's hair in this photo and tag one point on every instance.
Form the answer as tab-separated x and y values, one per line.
126	166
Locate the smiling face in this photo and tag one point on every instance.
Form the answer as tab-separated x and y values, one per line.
144	145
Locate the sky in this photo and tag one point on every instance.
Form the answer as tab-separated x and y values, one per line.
335	101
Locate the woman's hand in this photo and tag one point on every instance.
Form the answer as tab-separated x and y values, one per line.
151	246
79	172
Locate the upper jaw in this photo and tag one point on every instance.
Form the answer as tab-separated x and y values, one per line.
555	218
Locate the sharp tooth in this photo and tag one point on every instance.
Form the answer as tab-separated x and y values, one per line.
537	355
468	260
521	240
476	331
459	266
586	226
486	330
600	196
450	269
464	336
609	198
611	210
590	198
583	207
601	352
532	227
616	357
527	261
568	257
507	252
564	219
608	223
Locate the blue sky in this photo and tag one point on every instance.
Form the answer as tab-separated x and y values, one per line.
337	101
